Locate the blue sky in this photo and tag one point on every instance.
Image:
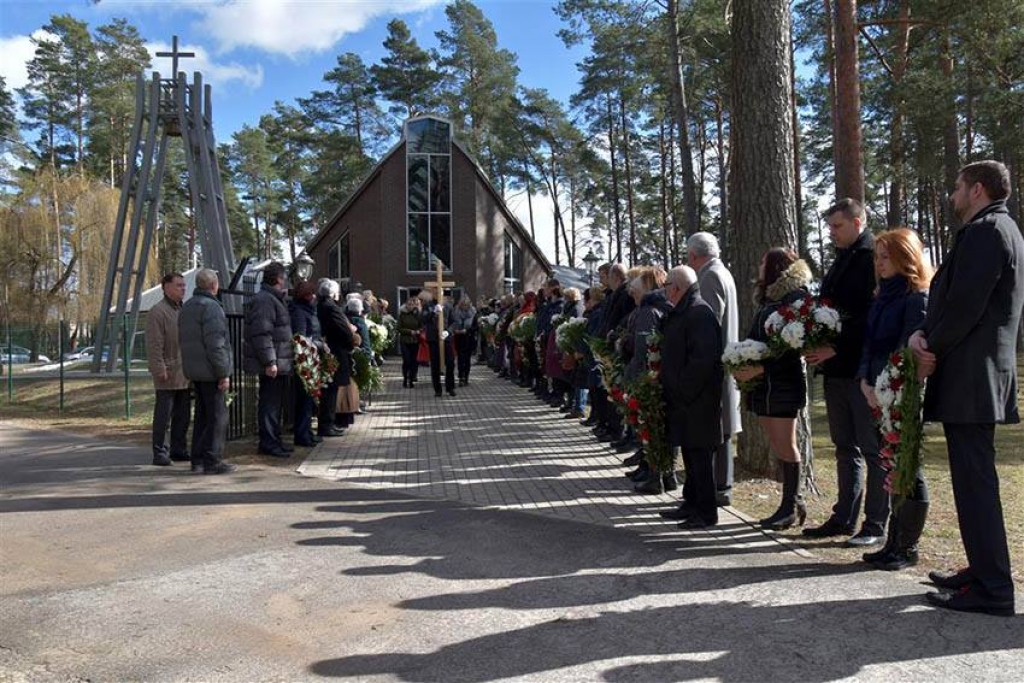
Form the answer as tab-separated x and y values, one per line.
257	51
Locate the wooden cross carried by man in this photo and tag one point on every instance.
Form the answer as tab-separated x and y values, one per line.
438	286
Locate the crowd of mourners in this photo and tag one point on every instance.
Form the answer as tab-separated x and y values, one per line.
960	324
189	355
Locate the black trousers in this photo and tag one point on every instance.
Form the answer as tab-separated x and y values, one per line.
449	366
410	368
328	402
268	414
465	343
210	430
303	413
972	468
699	487
171	406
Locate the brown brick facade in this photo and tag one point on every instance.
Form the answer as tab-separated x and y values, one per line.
375	219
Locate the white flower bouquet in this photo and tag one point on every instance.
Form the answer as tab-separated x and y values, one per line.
745	354
803	325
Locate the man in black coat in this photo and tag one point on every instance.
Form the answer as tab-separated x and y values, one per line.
432	309
337	332
206	361
268	353
849	285
967	346
692	376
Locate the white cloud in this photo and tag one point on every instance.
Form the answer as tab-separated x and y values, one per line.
15	54
214	73
291	27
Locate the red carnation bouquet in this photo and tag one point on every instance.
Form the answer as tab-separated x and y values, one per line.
899	416
314	367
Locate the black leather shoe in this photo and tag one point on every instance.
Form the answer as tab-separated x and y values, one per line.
954	580
633	460
274	452
161	460
437	394
652	485
181	458
219	468
678	514
452	393
306	444
696	522
829	528
589	422
286	448
864	539
969	599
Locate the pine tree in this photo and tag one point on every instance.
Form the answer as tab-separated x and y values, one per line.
122	56
406	76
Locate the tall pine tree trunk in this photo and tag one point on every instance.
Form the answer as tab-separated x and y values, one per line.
615	185
723	181
629	178
761	178
849	161
681	114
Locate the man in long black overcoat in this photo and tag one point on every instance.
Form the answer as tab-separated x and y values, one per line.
967	345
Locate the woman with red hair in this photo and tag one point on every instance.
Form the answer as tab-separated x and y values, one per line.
898	309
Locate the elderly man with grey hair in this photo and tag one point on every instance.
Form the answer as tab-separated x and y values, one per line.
691	376
718	288
206	361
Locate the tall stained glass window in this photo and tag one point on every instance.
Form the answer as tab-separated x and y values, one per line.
513	267
428	154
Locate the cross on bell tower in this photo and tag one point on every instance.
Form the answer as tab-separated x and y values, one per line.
174	54
164	109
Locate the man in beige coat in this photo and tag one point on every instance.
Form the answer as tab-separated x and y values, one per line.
163	354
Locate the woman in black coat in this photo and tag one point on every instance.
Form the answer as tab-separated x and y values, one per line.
782	391
897	311
304	322
338	334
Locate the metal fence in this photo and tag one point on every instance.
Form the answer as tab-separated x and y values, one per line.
46	370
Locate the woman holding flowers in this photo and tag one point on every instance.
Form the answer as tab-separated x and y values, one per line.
306	323
781	389
898	309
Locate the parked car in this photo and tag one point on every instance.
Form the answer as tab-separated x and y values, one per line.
19	355
84	353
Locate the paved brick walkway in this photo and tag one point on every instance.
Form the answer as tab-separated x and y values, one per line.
496	446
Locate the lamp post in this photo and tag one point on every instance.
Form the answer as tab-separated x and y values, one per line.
302	268
591	263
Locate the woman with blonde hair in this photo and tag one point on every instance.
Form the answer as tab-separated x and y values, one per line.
897	311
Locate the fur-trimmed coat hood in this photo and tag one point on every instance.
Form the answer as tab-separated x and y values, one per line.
797	276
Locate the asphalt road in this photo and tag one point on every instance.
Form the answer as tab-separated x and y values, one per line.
112	570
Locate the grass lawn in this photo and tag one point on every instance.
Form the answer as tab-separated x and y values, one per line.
940	545
96	406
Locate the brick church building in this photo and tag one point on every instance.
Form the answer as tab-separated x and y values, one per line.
426	199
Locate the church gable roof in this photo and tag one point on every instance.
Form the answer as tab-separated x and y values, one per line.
523	234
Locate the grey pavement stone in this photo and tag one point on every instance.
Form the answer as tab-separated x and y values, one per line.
112	570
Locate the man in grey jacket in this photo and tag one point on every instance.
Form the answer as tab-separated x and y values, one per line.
268	353
717	287
163	355
206	360
967	348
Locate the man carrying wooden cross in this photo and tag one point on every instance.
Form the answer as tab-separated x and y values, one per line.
435	317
